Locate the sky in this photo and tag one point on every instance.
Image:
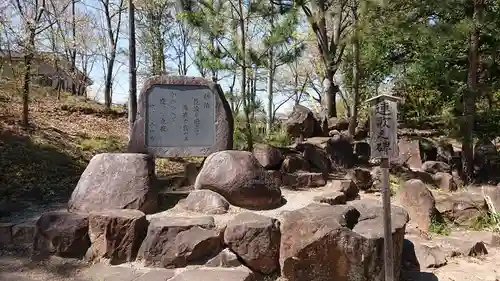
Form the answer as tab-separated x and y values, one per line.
121	83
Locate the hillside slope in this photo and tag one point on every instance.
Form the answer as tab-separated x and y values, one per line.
42	164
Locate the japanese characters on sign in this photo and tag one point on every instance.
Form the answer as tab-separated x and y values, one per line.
383	129
176	119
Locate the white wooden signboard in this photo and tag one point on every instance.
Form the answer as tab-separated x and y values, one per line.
383	128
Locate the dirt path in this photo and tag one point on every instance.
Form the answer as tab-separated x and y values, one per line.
21	268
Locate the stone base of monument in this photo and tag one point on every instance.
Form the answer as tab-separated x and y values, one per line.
236	218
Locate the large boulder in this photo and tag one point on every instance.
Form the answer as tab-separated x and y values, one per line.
485	160
409	152
180	241
294	163
301	122
445	152
339	124
347	186
256	240
317	157
417	199
445	181
269	157
205	201
362	177
436	167
362	152
344	243
340	151
116	235
428	150
461	208
116	181
239	177
63	234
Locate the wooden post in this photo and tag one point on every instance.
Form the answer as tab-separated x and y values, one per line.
384	145
386	203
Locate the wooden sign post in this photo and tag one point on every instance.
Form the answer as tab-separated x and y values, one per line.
384	145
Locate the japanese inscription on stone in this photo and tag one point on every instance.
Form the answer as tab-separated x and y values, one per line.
383	129
180	116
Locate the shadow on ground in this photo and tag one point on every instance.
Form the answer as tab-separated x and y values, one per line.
419	276
19	267
34	175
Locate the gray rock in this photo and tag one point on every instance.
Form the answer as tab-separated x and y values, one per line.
363	178
419	202
116	235
239	177
321	242
295	163
205	201
301	121
347	186
63	234
256	240
225	258
178	241
116	181
435	167
461	208
445	181
269	157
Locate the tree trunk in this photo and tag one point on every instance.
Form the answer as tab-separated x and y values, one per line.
231	94
270	78
73	71
270	82
253	93
243	79
132	99
470	95
330	92
28	59
109	82
353	122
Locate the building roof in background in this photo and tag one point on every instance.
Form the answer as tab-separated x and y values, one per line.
41	55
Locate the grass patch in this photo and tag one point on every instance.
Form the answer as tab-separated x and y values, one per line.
439	226
487	221
84	106
279	139
394	184
102	144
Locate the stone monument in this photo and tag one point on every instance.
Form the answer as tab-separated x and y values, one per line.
180	116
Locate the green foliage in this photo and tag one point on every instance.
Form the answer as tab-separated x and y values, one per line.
423	47
277	137
439	226
102	144
486	221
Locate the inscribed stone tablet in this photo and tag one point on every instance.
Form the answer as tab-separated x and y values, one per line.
181	116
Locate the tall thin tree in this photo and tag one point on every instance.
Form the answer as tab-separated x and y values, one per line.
132	98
